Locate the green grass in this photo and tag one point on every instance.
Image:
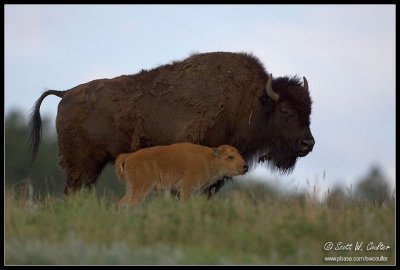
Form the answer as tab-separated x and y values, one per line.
244	226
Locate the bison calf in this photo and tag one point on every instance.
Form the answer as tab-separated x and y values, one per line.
183	167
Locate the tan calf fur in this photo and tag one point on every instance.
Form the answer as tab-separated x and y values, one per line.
183	167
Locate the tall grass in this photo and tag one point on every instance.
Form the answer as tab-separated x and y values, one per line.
246	227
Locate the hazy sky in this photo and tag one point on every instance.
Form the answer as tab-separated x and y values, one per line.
347	53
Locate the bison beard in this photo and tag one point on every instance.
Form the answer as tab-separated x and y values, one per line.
210	99
279	161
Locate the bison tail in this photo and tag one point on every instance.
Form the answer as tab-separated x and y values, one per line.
119	166
35	122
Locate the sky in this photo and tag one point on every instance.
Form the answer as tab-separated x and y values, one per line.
346	52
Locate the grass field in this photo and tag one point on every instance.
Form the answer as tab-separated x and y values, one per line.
238	227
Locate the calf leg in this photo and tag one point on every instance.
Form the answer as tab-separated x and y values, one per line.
136	191
188	186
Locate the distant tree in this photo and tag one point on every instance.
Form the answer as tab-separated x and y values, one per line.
336	198
44	175
373	187
16	162
108	183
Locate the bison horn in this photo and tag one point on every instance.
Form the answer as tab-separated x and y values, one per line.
274	96
305	83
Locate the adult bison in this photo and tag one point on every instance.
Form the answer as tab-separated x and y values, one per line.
209	98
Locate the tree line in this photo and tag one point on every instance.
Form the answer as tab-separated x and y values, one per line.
44	176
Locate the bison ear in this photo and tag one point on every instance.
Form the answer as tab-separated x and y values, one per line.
216	152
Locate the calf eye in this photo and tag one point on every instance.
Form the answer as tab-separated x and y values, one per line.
231	157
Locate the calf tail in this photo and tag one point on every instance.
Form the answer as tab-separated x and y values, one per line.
35	122
120	166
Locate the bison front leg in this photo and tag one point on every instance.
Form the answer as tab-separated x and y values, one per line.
214	188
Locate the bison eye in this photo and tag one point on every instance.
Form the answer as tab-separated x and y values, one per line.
231	157
284	111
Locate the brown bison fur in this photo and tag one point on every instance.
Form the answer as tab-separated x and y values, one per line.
183	167
210	99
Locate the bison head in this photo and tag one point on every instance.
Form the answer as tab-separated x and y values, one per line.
287	107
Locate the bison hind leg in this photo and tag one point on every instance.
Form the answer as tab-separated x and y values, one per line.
82	157
83	177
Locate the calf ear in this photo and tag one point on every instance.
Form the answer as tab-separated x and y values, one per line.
216	152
